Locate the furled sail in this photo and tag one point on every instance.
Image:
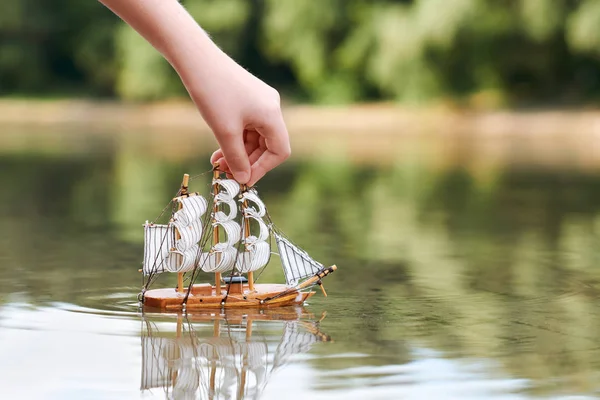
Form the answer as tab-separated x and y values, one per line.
257	251
252	196
224	198
186	260
229	189
189	226
192	208
256	257
297	264
230	186
222	256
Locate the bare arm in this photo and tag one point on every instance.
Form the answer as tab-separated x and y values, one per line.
243	112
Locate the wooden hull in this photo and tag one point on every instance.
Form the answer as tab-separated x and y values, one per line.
204	296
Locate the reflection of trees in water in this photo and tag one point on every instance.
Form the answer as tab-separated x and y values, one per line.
54	229
499	266
501	269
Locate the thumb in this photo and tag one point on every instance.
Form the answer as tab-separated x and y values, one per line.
232	146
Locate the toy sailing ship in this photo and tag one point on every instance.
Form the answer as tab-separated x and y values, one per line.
224	356
229	237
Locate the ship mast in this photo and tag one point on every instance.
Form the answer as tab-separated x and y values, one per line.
246	234
216	229
182	191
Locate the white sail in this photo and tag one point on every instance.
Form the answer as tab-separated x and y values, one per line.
252	196
158	241
186	260
257	251
221	258
162	251
263	228
232	187
256	257
192	209
225	198
188	223
233	231
297	264
189	235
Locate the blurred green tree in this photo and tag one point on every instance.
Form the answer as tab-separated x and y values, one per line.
338	51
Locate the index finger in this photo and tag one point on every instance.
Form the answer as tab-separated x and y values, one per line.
232	146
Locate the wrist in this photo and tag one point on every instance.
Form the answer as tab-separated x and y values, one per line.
196	58
190	48
204	68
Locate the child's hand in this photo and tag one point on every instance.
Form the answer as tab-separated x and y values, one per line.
245	116
243	112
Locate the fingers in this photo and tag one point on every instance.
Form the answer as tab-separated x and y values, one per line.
216	156
252	143
264	149
251	140
276	149
255	155
234	151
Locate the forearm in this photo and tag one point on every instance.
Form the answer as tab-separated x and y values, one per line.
171	30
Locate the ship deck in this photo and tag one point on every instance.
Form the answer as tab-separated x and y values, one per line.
203	296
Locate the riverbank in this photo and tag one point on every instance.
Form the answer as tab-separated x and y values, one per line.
356	118
365	133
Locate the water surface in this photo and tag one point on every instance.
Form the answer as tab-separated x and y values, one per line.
455	280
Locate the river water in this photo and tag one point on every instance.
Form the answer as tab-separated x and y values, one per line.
455	280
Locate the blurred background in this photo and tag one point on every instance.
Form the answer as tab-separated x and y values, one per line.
518	52
446	156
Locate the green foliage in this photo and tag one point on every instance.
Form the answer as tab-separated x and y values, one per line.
144	74
333	51
583	27
542	18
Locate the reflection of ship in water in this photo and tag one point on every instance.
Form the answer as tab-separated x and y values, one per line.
223	356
